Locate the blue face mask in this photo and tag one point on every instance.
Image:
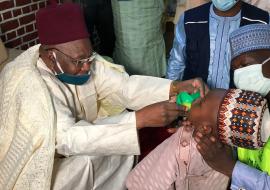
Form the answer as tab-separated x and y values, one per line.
224	5
71	79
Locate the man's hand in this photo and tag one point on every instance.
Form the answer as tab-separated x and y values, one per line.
158	114
190	86
215	154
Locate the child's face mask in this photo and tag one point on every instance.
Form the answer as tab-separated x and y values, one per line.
251	78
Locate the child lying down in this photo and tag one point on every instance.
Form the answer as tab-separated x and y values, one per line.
239	118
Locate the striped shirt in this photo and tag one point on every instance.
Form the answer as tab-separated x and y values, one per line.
220	57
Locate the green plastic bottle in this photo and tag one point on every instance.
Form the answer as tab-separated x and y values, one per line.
186	99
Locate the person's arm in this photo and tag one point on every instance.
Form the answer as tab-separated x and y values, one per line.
176	63
243	176
142	93
248	178
138	91
118	134
134	92
113	135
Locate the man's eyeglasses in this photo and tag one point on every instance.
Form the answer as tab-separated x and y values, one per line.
77	63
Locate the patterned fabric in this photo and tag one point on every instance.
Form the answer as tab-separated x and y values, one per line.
240	117
249	38
176	164
139	45
27	126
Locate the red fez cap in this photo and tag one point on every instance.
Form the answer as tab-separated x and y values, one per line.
58	24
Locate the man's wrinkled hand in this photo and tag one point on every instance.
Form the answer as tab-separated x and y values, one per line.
190	86
158	114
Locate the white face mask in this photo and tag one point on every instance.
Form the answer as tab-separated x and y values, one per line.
251	78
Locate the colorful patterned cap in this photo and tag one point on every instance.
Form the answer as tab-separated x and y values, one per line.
240	118
250	37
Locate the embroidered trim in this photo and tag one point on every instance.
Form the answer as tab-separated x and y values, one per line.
240	117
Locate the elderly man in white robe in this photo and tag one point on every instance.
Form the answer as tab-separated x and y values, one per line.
96	137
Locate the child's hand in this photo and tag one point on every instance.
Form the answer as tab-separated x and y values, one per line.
215	154
182	123
204	129
172	99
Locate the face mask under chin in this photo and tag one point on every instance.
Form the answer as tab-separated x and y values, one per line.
73	79
69	78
